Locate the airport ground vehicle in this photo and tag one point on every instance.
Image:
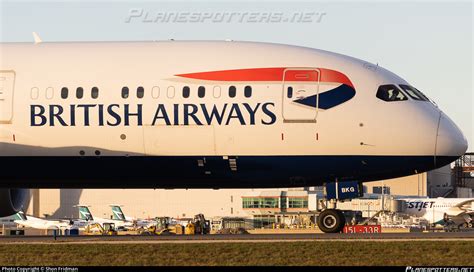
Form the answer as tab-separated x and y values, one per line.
105	228
203	114
200	224
165	225
155	230
109	229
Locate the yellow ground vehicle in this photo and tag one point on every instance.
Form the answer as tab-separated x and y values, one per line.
174	229
164	225
105	229
189	229
199	225
109	229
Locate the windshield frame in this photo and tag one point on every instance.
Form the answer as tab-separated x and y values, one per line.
409	89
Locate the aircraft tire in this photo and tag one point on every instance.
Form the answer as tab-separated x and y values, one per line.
331	221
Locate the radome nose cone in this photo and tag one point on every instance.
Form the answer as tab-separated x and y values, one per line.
450	141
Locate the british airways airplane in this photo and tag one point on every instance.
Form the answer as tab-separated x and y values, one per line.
208	114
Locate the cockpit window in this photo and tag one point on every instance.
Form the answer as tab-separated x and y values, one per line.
414	93
390	93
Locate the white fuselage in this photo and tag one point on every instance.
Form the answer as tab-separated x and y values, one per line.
439	210
43	224
244	143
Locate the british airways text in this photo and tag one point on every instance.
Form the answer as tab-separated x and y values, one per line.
170	115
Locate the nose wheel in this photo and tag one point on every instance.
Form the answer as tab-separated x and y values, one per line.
331	221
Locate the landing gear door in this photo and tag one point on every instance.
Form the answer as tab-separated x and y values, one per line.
300	95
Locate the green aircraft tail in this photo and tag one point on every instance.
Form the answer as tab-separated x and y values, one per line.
85	213
117	213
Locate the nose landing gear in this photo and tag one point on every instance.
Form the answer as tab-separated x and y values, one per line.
332	220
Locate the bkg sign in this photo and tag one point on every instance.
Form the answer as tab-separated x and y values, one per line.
343	190
348	190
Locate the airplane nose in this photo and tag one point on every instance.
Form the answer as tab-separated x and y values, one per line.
450	141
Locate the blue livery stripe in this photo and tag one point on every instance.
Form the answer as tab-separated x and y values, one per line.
330	98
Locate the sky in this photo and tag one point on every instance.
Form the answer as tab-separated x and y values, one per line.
428	43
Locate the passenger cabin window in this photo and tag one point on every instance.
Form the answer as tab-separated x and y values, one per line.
79	92
248	91
232	91
34	93
140	92
414	93
49	93
155	92
217	91
201	91
64	92
390	93
170	92
125	92
95	92
186	91
289	93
